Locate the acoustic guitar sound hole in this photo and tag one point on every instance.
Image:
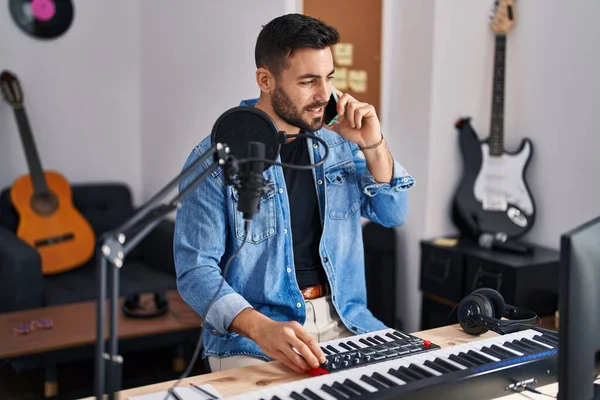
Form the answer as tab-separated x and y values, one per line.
44	203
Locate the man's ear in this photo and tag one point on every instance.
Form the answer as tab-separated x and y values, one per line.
265	80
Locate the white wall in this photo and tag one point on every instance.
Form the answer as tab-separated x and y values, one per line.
81	95
197	62
552	97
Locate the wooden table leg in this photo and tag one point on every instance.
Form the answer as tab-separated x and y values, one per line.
50	382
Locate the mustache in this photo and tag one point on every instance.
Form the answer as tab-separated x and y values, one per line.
317	105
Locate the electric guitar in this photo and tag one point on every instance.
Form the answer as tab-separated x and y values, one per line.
493	196
48	221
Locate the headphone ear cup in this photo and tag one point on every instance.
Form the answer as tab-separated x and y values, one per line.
162	304
472	305
495	298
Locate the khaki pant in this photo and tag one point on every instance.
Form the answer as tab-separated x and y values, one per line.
322	323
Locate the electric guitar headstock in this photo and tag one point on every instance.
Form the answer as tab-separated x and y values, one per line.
11	89
502	16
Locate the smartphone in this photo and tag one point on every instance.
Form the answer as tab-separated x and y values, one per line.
330	115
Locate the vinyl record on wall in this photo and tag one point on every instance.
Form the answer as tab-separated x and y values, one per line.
42	18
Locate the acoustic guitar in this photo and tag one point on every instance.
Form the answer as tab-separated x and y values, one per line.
48	221
493	196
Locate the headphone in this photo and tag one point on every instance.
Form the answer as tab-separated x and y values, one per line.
132	307
483	309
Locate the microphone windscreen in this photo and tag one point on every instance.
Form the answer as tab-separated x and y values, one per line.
238	126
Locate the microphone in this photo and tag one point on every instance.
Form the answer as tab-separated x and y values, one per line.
251	181
243	124
501	242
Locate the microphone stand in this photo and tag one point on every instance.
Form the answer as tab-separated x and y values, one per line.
114	247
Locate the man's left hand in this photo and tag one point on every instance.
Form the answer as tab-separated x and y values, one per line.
358	122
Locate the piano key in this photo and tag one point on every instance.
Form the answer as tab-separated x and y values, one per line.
353	344
373	382
465	356
447	364
400	335
331	391
343	389
510	350
461	361
332	349
522	343
355	387
373	341
382	340
423	371
497	354
535	345
383	379
297	396
414	375
543	340
518	347
325	351
401	375
311	395
436	367
345	346
478	356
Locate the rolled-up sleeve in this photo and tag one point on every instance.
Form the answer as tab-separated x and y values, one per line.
199	245
383	203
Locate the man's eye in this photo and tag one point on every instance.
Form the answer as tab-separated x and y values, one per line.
306	83
330	78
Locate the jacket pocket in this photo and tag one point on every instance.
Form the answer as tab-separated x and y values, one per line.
343	197
263	224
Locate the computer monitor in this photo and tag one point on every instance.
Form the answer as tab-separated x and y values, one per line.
579	312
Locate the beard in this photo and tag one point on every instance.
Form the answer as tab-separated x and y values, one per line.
288	112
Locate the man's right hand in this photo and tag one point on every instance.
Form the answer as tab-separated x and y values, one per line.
279	339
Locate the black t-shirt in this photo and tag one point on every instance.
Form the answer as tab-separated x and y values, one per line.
304	210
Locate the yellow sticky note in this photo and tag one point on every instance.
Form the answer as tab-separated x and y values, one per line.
357	80
342	53
340	79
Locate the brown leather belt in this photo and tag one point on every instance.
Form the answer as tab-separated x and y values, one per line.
313	292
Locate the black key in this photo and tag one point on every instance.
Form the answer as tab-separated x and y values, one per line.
545	340
415	375
382	340
373	382
330	347
494	353
401	375
345	346
480	357
332	392
475	361
527	346
420	371
383	379
275	398
534	344
391	336
553	339
363	341
311	395
551	334
342	389
373	341
401	336
436	367
518	347
445	364
327	353
461	361
355	386
357	347
297	396
499	349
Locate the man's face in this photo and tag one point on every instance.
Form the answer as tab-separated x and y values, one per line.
303	89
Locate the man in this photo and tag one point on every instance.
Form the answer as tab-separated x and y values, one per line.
299	278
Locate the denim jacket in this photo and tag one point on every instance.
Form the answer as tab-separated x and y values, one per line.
208	229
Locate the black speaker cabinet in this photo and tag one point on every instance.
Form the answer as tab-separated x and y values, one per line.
449	273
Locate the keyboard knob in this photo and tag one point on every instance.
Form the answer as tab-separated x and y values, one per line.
426	344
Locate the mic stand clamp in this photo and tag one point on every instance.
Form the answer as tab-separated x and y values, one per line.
114	247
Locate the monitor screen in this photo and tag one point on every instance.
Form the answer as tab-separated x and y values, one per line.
579	310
